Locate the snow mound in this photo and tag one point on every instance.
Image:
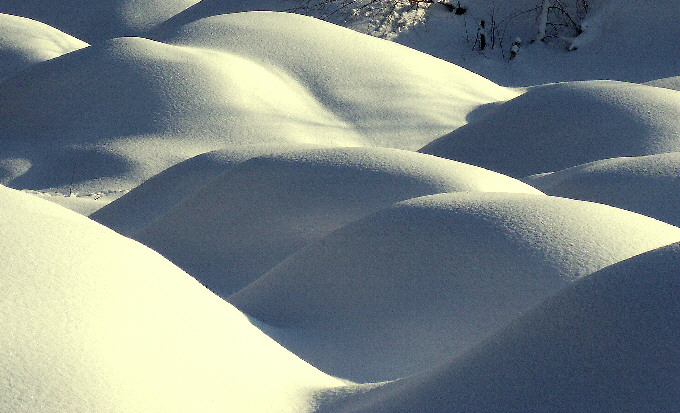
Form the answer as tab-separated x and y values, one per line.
110	115
649	185
667	82
143	204
244	222
93	321
557	126
25	42
98	20
209	8
606	343
416	284
395	96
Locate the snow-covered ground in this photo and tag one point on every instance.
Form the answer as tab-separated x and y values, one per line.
219	206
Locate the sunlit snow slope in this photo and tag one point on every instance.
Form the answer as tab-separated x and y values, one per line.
24	42
91	321
113	114
395	96
135	210
311	219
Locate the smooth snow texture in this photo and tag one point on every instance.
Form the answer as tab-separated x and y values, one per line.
93	21
672	82
208	8
395	96
135	210
607	343
110	115
244	222
25	42
557	126
475	301
649	185
93	322
412	286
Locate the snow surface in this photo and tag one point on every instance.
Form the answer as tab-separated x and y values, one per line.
84	204
557	126
414	285
25	42
272	156
623	40
209	8
672	82
609	342
393	95
129	214
141	106
259	212
94	21
92	321
649	185
122	110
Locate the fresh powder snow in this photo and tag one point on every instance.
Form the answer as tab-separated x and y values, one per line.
219	205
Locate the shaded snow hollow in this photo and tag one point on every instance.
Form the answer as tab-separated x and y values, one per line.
94	21
25	42
414	285
246	220
606	343
557	126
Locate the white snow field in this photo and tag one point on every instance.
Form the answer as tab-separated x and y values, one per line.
111	115
93	321
209	8
556	126
416	284
393	95
274	213
649	185
122	110
608	342
245	221
93	21
25	42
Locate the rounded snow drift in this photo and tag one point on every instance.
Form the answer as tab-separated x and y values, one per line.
558	126
91	321
648	185
416	284
25	42
111	115
607	342
247	220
